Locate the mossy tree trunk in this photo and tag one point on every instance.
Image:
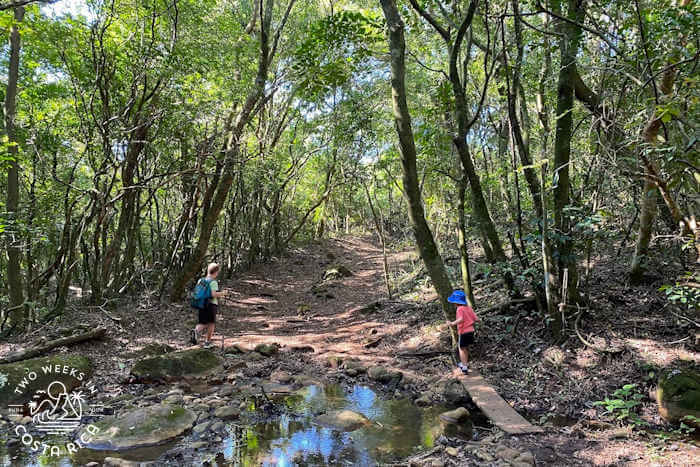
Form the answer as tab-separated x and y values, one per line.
424	237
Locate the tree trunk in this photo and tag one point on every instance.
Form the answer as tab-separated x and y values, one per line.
462	242
14	252
424	237
646	227
110	263
382	239
513	89
568	45
649	195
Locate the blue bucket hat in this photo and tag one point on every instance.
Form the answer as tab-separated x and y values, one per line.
458	297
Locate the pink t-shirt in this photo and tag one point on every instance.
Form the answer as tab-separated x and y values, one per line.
468	319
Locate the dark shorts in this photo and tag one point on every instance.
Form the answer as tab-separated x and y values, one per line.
465	340
208	314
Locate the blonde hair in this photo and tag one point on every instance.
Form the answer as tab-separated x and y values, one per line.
213	268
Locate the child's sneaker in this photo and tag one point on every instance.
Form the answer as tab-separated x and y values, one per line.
208	344
465	369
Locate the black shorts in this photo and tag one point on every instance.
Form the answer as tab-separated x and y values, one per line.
208	314
467	339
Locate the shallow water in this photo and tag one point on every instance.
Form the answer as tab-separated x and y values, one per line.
398	429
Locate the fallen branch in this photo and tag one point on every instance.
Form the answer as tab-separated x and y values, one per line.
63	341
677	342
588	344
685	318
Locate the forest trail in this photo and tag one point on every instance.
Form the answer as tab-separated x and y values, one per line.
275	303
265	305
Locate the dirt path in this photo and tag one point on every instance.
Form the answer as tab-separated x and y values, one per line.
275	303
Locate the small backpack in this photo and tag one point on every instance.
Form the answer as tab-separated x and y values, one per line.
201	294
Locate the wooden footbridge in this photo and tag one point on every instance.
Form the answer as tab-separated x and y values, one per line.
493	406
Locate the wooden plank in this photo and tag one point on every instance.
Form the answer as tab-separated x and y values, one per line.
501	414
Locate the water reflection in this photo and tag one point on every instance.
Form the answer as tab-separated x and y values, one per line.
398	428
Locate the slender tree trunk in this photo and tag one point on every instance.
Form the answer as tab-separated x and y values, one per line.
424	237
382	239
462	242
650	193
110	263
568	45
646	227
14	252
513	90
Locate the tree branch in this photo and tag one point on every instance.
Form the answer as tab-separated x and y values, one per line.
16	3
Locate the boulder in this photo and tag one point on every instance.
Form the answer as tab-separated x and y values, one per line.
118	462
280	376
458	415
343	420
201	427
140	427
678	395
335	361
355	365
276	388
226	412
186	364
70	369
267	350
235	349
452	391
383	375
217	426
174	399
335	272
424	400
514	457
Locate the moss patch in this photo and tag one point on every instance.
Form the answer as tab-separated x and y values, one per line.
140	427
19	389
193	363
678	394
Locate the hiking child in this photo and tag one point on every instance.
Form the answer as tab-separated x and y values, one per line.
465	326
207	313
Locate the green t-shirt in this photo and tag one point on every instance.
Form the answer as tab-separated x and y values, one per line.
214	286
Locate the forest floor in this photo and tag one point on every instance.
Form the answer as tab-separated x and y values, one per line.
319	323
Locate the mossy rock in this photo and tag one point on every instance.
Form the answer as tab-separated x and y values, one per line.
678	394
140	427
267	350
335	272
383	375
183	365
19	388
458	415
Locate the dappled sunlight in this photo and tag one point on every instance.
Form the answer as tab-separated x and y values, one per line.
661	353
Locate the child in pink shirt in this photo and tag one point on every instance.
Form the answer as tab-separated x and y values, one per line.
465	326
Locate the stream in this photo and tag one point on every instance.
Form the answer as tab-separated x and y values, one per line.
398	429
